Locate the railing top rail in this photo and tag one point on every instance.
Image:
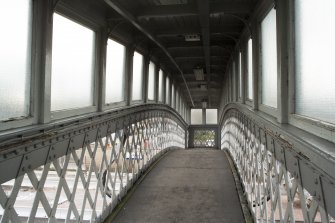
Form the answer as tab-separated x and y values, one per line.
315	150
18	135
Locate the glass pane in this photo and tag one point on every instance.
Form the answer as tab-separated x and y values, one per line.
72	65
137	76
211	116
160	86
250	71
15	74
240	74
115	72
196	116
315	79
269	60
151	81
167	91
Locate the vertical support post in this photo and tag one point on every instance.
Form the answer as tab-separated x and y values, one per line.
163	88
218	136
170	91
243	73
282	14
42	59
236	78
157	83
129	74
255	64
204	116
145	83
186	138
101	87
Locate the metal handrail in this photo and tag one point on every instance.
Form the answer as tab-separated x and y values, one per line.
79	169
281	167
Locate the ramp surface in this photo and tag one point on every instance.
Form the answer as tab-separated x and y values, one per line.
186	186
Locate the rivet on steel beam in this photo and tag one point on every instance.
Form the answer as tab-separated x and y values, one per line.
316	181
26	157
52	148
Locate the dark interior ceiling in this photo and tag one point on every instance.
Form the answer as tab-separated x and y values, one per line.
219	23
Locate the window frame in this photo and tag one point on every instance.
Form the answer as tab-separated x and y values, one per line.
314	126
115	105
161	90
262	107
138	101
167	88
35	32
202	118
61	114
248	100
154	82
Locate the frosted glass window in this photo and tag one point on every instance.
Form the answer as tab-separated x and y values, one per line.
211	116
160	86
15	74
269	60
173	97
240	74
196	116
72	65
315	71
167	91
137	77
115	83
151	81
250	71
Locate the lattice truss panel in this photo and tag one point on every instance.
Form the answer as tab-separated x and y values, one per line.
204	138
98	165
280	184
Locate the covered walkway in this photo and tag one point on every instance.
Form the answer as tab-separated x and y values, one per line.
94	92
185	186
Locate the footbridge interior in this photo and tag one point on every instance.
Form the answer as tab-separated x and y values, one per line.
167	111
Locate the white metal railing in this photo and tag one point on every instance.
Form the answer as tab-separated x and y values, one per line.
79	174
281	183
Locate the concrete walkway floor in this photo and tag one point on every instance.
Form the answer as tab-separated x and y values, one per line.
186	186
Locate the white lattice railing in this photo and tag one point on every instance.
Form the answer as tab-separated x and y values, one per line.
281	182
79	173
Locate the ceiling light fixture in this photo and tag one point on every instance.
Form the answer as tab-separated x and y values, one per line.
192	37
199	74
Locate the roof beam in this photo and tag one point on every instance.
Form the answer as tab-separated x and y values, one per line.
203	7
223	7
222	29
167	10
127	15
